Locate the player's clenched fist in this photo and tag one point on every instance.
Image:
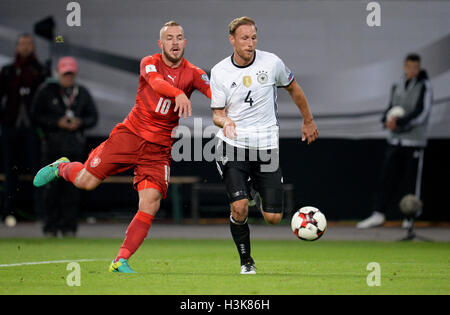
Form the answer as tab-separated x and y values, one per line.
309	131
183	105
229	129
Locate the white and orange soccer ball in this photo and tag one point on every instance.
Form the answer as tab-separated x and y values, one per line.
308	223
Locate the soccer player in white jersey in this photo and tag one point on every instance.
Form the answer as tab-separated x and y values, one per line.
244	94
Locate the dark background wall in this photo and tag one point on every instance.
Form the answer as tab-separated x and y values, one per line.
338	176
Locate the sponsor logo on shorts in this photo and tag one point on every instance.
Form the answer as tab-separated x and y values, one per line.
95	162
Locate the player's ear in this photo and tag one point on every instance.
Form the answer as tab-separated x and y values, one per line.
232	39
160	44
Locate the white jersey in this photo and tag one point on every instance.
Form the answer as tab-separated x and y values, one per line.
249	95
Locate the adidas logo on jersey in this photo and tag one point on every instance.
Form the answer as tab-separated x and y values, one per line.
233	85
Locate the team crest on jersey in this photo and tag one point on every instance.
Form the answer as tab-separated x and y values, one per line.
247	81
262	77
95	162
205	78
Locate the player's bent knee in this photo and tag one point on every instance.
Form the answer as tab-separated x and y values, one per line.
86	181
273	218
239	215
149	200
239	209
87	186
146	202
150	207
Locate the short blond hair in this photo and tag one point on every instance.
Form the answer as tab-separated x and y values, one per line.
243	20
166	25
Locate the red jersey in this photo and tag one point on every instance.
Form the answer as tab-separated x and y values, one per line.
153	117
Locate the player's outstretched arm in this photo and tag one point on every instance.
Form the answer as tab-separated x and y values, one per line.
150	73
221	120
309	128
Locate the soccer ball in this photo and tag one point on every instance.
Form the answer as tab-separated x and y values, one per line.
410	205
395	112
308	224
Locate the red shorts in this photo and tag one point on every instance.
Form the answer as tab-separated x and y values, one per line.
124	150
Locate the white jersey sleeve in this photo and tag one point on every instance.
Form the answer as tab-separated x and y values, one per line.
218	93
283	75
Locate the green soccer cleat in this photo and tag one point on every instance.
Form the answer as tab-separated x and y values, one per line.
48	173
121	266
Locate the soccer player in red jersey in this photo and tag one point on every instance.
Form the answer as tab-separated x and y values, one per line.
143	140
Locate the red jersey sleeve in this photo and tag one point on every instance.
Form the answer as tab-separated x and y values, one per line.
201	82
149	72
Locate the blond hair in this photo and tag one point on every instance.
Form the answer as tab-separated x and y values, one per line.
243	20
166	25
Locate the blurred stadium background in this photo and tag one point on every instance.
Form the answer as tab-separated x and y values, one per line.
345	67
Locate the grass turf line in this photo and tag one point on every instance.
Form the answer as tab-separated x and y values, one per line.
212	267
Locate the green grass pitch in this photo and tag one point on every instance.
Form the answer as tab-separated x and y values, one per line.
210	267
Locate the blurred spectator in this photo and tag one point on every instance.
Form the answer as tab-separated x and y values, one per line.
63	110
19	143
406	118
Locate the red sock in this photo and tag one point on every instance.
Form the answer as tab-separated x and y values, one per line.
69	171
135	235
